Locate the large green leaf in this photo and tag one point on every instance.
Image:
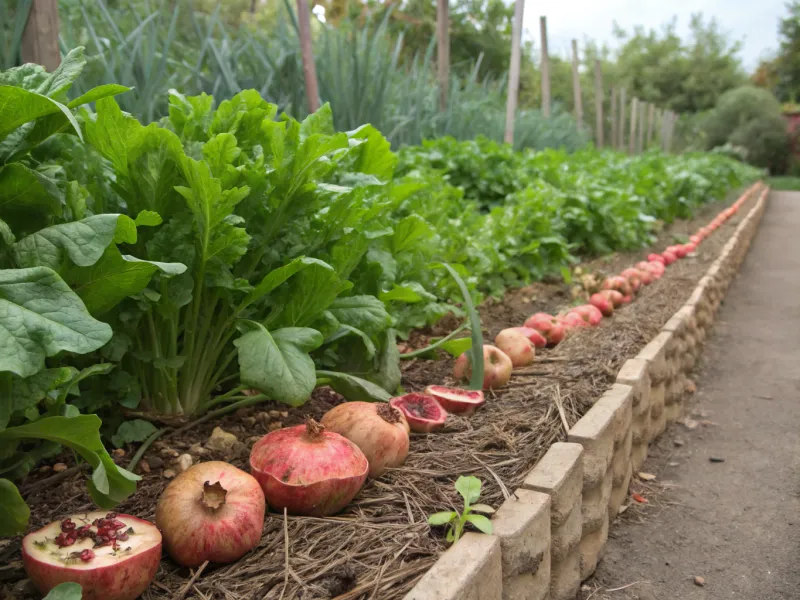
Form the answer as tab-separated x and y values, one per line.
14	513
84	242
29	391
61	79
366	313
65	591
354	388
41	316
28	199
276	277
19	106
115	277
310	292
109	484
277	362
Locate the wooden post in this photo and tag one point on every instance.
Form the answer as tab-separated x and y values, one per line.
309	68
40	38
621	120
443	56
545	68
598	103
634	115
576	85
651	121
665	130
614	119
513	77
642	119
673	120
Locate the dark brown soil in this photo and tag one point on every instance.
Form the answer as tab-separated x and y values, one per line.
381	545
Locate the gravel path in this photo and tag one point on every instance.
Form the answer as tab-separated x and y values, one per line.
736	523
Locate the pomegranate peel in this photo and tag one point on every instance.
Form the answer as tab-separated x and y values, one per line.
456	400
422	411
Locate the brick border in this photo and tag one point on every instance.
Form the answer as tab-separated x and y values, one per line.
551	533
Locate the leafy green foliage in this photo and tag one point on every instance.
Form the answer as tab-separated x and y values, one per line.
65	591
469	488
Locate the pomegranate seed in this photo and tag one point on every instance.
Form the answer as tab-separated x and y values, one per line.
63	540
67	525
122	537
111	515
87	555
118	524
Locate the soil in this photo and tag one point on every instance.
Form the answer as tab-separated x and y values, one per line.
736	523
381	545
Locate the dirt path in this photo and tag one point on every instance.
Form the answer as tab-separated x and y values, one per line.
734	523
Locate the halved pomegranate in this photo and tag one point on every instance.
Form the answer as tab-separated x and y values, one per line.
380	430
456	400
307	470
112	556
211	512
423	413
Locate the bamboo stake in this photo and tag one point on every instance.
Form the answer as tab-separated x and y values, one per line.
443	56
576	85
632	138
40	38
598	103
545	67
513	78
309	68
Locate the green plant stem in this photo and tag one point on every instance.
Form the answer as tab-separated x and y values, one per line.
435	345
143	448
218	413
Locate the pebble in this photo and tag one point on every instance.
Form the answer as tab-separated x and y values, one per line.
182	463
45	469
678	442
168	474
275	414
144	467
118	452
221	440
59	468
249	421
242	412
156	462
197	450
253	439
169	453
275	425
699	581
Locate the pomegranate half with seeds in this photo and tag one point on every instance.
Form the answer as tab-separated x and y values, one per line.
112	556
211	512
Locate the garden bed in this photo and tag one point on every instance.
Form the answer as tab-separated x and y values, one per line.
381	545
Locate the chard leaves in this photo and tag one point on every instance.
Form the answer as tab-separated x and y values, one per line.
277	362
41	316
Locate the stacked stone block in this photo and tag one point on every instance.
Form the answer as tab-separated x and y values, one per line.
659	369
635	374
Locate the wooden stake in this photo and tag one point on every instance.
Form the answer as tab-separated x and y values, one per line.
576	85
40	38
623	105
545	68
513	78
309	68
614	119
598	103
443	57
634	113
673	120
651	121
643	108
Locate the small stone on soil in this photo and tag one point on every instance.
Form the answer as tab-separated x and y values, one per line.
275	414
169	453
45	469
716	459
155	462
118	452
699	581
678	442
182	463
249	421
274	426
221	440
144	467
197	450
59	468
168	473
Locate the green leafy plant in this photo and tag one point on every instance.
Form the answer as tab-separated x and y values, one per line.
65	591
469	488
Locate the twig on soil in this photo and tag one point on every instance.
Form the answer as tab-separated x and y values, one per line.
560	406
53	479
624	586
190	583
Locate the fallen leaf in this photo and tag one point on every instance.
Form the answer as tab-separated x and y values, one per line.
640	499
646	476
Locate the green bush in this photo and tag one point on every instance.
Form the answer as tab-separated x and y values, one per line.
750	118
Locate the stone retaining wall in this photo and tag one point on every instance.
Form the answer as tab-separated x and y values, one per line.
551	533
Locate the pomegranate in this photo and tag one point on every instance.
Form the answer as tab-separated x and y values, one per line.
690	247
516	346
612	296
380	430
695	239
603	304
589	313
211	512
539	318
634	277
621	284
679	250
627	299
669	257
573	320
422	411
456	400
655	258
112	556
307	470
496	367
536	338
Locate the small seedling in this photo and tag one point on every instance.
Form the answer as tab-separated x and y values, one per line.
470	490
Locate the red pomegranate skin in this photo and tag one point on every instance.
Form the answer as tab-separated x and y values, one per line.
193	533
125	580
308	475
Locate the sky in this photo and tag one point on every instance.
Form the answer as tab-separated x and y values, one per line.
754	22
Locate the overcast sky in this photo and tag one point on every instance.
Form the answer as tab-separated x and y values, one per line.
755	22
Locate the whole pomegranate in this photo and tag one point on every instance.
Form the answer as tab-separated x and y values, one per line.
536	338
603	304
307	470
112	556
211	512
612	296
380	430
621	284
496	367
517	347
589	313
